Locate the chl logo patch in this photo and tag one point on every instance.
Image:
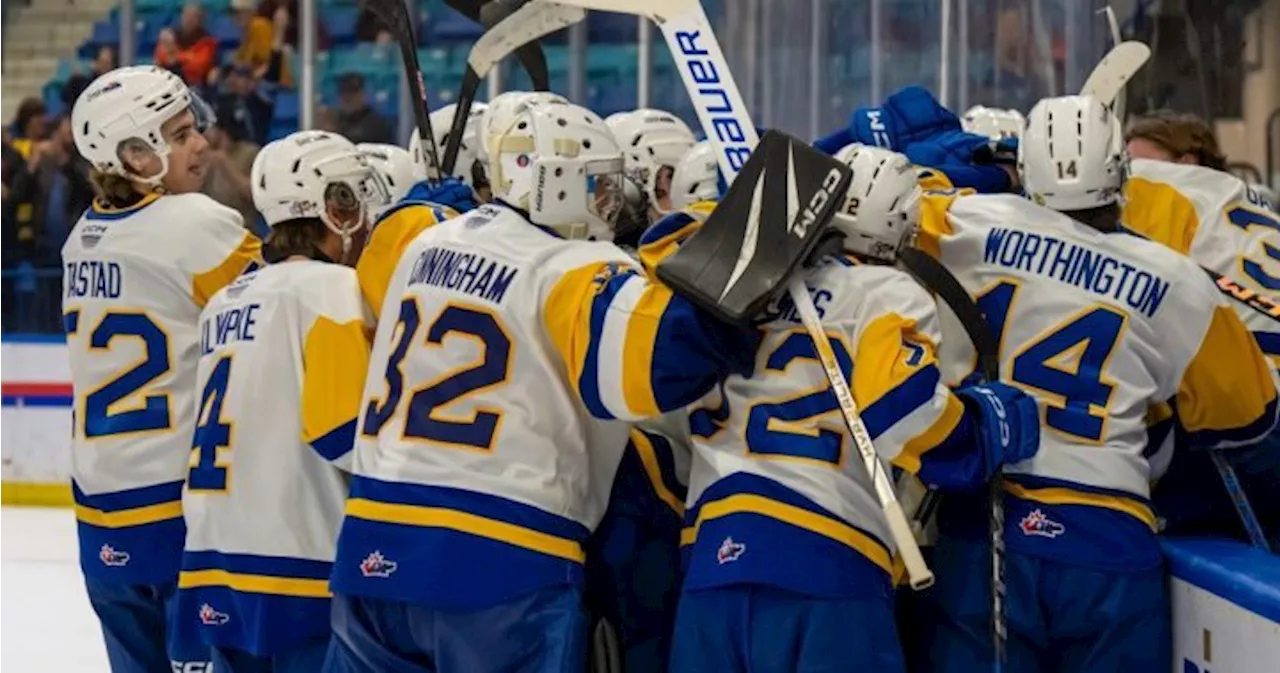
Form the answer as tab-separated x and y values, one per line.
211	617
376	565
730	551
112	557
1039	524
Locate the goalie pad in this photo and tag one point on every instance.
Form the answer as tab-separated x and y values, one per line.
777	212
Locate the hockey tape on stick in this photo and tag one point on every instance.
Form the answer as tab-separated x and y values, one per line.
1241	500
723	115
395	15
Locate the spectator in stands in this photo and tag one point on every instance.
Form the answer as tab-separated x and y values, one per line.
20	230
359	122
104	63
62	188
370	28
29	126
248	94
190	51
227	179
260	31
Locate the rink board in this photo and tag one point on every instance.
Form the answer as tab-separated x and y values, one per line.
1226	596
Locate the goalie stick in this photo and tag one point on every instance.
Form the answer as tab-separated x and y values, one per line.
1113	72
722	113
1116	40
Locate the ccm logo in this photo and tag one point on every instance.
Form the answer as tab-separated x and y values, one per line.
816	203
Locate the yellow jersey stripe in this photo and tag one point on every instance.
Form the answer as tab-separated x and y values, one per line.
125	518
257	584
386	245
1229	366
653	254
471	524
882	341
649	458
1160	212
801	518
1066	496
934	223
637	363
205	285
335	359
568	322
909	458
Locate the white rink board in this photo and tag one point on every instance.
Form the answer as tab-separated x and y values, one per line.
35	427
1213	635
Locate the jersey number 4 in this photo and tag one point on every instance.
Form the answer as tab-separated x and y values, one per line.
1066	363
426	419
103	416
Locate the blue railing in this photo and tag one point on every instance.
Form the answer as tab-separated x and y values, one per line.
32	300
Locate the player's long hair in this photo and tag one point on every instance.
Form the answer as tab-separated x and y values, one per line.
114	191
302	236
1180	134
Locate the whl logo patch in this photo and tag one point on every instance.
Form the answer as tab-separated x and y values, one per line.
113	558
211	617
730	551
376	565
1037	523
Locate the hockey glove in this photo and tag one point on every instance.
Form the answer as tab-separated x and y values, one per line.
1006	423
967	159
451	192
909	115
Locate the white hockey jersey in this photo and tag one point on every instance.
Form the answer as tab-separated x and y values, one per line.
1217	220
283	357
777	484
485	453
1102	329
134	282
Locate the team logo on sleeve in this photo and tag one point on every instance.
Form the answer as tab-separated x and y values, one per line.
376	565
211	617
1037	523
730	551
609	272
112	557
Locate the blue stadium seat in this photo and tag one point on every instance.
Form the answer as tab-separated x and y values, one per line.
287	106
608	98
366	59
608	27
613	59
450	26
66	68
340	24
280	129
154	5
385	100
225	30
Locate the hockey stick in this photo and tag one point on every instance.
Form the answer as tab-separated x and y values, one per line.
1235	291
1241	500
724	118
530	55
986	345
1113	72
512	26
1116	40
395	14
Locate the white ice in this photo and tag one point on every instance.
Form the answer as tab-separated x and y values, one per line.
46	622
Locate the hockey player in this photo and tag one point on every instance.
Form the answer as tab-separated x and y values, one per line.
283	355
470	166
696	177
138	267
1100	327
652	142
789	557
994	123
486	447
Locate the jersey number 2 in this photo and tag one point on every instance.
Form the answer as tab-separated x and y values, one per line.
102	417
1067	362
425	419
787	428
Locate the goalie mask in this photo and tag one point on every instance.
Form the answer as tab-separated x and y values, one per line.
395	165
882	208
1072	155
696	177
503	109
993	122
561	165
308	174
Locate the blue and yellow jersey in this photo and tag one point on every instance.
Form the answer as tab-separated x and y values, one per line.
134	282
777	483
1217	220
394	231
1100	329
487	443
283	356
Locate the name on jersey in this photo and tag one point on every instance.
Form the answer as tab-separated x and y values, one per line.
466	272
94	279
229	326
1076	265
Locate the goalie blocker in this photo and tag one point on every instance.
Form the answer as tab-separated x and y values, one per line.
776	215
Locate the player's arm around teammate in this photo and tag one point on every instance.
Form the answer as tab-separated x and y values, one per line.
282	363
789	562
139	265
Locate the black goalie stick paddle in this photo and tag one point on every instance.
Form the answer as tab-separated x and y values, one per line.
395	14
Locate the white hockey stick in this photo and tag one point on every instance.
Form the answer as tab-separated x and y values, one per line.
1114	71
1116	40
725	121
530	22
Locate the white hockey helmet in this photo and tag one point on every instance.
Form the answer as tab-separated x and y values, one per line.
1072	154
504	107
993	122
128	105
396	166
297	176
696	176
882	208
651	140
561	165
469	166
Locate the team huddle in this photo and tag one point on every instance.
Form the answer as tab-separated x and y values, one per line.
463	425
